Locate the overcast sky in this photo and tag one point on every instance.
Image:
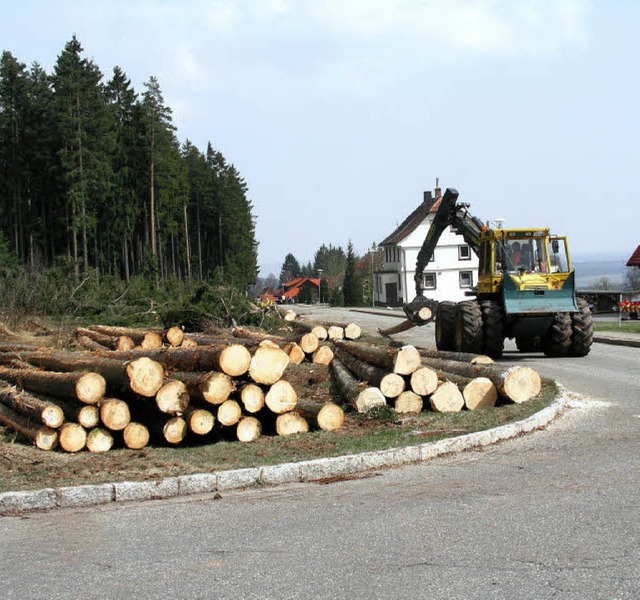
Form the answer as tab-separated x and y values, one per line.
340	113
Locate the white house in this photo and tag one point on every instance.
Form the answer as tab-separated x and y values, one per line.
451	272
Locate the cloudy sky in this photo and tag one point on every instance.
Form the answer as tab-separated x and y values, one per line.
339	113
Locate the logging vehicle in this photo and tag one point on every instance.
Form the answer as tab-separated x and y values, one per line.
525	290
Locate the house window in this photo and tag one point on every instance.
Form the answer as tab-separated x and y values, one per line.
466	279
429	281
464	252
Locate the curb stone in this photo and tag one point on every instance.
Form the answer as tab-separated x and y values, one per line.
12	503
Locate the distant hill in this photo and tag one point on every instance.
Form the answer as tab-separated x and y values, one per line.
592	267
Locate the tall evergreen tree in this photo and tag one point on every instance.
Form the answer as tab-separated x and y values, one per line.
84	141
352	286
290	268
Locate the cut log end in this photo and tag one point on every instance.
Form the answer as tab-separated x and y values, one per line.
406	360
322	356
520	384
115	414
424	381
369	398
330	417
135	436
146	376
175	430
291	423
281	397
229	413
252	398
99	440
235	360
392	385
173	397
408	403
91	388
216	387
72	437
249	429
480	393
199	420
175	336
447	398
268	365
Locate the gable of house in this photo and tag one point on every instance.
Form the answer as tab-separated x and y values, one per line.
413	221
634	259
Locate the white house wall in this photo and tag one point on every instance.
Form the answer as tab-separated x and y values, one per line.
446	266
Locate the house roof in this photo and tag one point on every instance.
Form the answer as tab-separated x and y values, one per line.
634	260
410	224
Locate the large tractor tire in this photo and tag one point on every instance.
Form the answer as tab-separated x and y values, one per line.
581	329
445	326
528	344
557	340
493	325
469	334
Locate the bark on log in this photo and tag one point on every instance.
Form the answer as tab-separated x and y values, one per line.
310	327
87	415
213	387
248	334
447	398
89	344
112	342
309	343
88	388
199	420
468	357
392	385
135	333
115	414
360	368
404	360
189	342
252	398
31	406
480	393
295	352
268	365
135	435
408	403
322	356
517	384
142	376
72	437
229	413
424	381
248	429
361	399
281	397
424	316
99	440
291	423
173	397
42	437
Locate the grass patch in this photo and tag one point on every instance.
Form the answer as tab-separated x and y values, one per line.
623	327
23	467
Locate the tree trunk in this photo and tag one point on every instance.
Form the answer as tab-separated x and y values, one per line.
135	435
31	406
480	392
403	361
392	385
468	357
135	333
322	356
256	336
72	437
142	376
424	381
229	413
281	397
360	368
362	400
252	398
88	388
173	397
42	437
87	415
309	327
199	420
115	414
213	387
295	352
447	398
248	429
309	343
518	384
112	342
408	402
290	423
423	316
99	440
267	365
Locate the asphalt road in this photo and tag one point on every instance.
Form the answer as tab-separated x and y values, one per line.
554	514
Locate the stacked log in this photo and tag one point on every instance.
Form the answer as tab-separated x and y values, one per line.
110	397
443	381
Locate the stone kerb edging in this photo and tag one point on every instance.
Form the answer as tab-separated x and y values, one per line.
299	472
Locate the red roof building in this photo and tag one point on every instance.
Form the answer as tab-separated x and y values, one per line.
634	260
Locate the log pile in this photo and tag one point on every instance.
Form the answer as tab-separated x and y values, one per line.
408	378
157	387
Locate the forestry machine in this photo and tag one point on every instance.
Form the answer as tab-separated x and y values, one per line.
525	290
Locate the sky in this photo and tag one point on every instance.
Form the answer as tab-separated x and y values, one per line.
338	114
